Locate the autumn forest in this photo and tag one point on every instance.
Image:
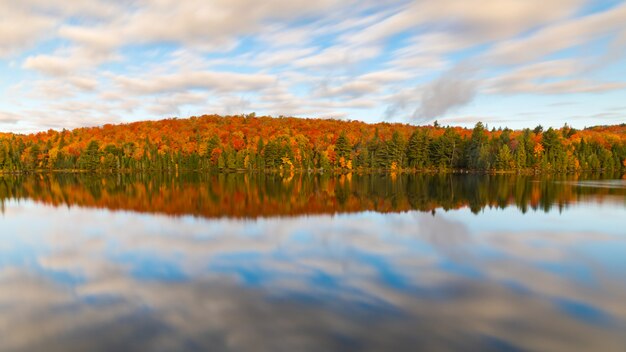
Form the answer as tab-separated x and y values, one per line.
248	142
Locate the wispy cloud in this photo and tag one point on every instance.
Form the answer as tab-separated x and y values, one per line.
368	60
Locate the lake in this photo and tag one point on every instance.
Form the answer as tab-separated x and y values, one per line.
250	262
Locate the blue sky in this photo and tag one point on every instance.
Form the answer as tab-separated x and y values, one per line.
515	63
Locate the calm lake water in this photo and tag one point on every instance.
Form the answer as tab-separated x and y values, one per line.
244	262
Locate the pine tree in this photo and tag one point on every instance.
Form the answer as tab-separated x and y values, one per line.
342	146
504	158
90	158
520	157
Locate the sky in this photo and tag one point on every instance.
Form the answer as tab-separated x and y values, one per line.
515	63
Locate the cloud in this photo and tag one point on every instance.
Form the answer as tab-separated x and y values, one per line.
446	93
210	80
557	37
426	52
319	280
170	105
205	25
90	37
54	90
272	59
549	77
68	62
338	57
21	28
24	23
8	118
482	20
356	59
368	84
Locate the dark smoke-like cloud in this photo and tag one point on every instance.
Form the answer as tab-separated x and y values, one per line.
450	91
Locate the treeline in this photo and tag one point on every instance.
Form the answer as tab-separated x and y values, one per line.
253	195
266	143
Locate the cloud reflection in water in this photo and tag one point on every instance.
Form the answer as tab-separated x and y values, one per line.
85	279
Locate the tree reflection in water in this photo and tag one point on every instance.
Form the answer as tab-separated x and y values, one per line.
262	195
239	262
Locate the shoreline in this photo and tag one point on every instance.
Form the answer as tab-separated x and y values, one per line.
336	172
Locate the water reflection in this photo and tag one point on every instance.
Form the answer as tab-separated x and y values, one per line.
101	280
262	195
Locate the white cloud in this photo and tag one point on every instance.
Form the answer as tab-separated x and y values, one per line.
207	25
8	117
483	20
549	77
24	23
558	37
170	105
369	84
272	59
90	37
338	57
68	62
210	80
20	28
343	58
215	309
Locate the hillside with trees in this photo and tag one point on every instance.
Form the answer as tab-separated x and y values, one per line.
247	142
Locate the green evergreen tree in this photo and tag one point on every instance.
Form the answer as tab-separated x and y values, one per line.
342	146
90	158
504	158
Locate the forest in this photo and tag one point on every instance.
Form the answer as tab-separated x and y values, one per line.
248	142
